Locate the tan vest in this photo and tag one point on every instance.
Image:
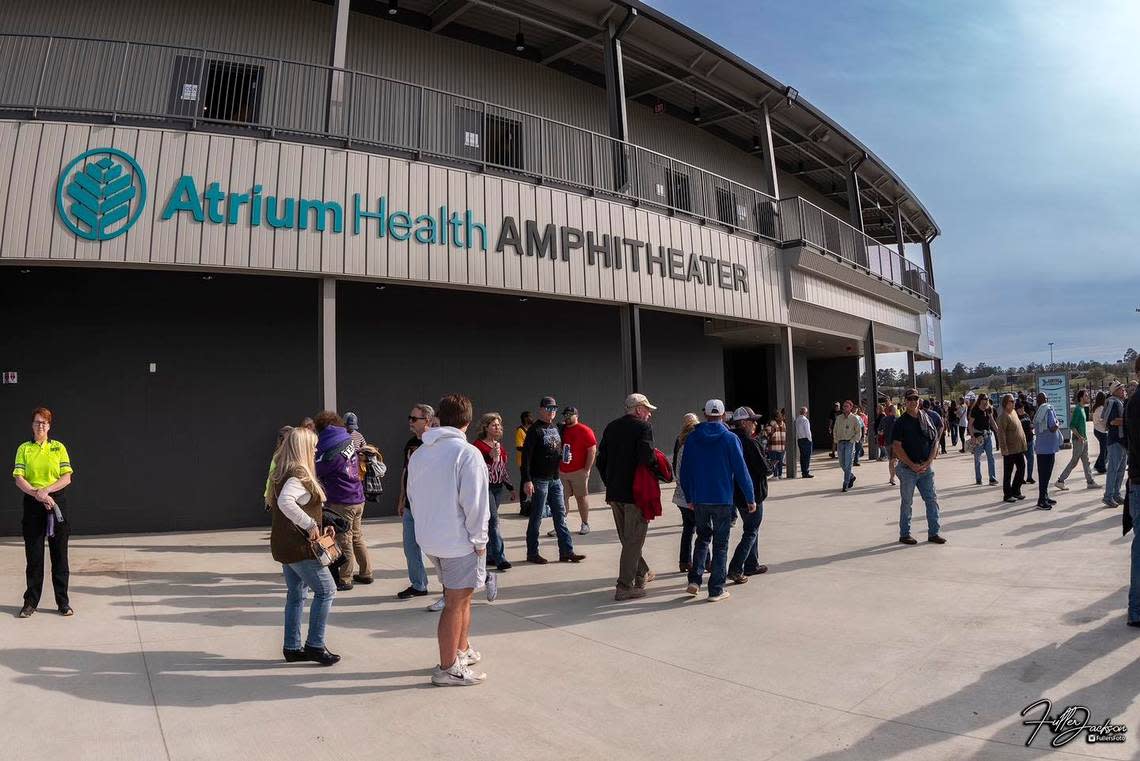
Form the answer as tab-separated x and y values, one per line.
286	541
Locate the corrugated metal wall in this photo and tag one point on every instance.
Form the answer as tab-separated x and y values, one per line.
848	301
32	154
301	30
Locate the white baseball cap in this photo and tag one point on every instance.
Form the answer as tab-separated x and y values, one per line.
744	413
714	407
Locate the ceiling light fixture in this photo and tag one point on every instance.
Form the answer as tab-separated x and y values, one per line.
393	7
696	114
520	41
755	142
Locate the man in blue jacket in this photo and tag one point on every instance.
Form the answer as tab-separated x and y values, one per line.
713	464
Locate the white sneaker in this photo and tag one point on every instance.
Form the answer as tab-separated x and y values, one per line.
492	587
584	530
717	598
551	532
1092	485
458	675
438	605
693	589
1061	486
470	656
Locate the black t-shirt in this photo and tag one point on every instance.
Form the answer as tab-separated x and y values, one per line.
908	432
542	451
981	419
412	445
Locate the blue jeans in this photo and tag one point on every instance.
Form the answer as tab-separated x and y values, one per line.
858	451
299	578
548	494
1134	587
494	538
1117	458
846	455
417	574
805	455
908	479
1045	464
747	556
1102	454
714	522
1029	462
987	446
776	460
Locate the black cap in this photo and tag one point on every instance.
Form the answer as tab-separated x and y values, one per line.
569	410
548	401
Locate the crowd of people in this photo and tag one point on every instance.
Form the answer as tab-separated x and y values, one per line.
323	472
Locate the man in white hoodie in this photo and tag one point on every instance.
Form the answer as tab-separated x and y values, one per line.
447	482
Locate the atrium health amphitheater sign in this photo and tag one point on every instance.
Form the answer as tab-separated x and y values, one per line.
102	192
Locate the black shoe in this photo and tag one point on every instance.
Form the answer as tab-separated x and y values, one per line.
855	464
573	557
807	475
1044	506
1019	497
993	482
1010	498
1134	623
908	539
342	587
293	656
411	592
362	579
936	539
844	489
26	611
504	566
979	482
756	571
1030	481
537	560
66	611
320	655
851	485
1051	501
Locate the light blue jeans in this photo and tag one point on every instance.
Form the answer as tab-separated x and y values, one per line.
1117	459
987	447
300	577
1134	588
548	495
908	479
846	456
417	574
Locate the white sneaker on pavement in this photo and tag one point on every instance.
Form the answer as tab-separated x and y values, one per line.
438	605
1061	485
584	530
458	675
723	594
492	587
470	656
551	532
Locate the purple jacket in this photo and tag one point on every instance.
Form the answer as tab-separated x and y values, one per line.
338	467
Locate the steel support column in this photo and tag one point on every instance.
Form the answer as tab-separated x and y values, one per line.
771	174
928	262
791	448
334	108
854	201
328	343
912	379
938	376
900	237
872	386
630	327
615	76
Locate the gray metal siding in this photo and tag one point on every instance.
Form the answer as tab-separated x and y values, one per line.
31	230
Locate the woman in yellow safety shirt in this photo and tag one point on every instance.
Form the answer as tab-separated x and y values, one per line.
42	472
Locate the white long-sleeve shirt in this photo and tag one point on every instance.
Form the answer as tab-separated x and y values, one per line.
448	491
803	427
292	497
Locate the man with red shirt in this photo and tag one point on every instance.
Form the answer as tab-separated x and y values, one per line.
579	450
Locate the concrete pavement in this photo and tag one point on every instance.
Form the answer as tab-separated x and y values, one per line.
851	647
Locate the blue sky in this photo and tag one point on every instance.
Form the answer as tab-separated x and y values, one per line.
1016	123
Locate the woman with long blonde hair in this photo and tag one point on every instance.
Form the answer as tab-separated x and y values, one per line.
297	498
489	442
689	421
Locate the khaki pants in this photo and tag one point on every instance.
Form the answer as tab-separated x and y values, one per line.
352	544
631	527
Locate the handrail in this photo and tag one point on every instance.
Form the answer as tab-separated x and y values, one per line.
161	82
806	222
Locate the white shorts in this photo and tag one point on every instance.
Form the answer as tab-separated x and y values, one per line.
466	572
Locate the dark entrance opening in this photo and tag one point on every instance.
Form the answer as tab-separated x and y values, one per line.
749	379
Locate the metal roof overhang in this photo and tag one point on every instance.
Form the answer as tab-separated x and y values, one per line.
668	63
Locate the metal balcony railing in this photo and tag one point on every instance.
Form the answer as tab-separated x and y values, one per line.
803	221
161	84
144	82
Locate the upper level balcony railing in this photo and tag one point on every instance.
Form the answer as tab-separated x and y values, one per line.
144	82
148	83
801	220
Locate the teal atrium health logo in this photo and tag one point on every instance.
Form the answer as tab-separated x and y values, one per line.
100	194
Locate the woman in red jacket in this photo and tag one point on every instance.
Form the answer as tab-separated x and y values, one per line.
489	442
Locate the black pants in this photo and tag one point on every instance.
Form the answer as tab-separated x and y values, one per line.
1013	474
1044	472
524	500
805	446
35	531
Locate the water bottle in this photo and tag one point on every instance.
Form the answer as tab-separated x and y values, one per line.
565	454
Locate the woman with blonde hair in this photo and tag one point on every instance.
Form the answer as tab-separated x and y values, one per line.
688	521
297	498
489	442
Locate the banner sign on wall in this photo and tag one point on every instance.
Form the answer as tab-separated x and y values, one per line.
1056	389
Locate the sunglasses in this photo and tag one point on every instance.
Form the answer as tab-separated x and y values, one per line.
413	418
551	409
